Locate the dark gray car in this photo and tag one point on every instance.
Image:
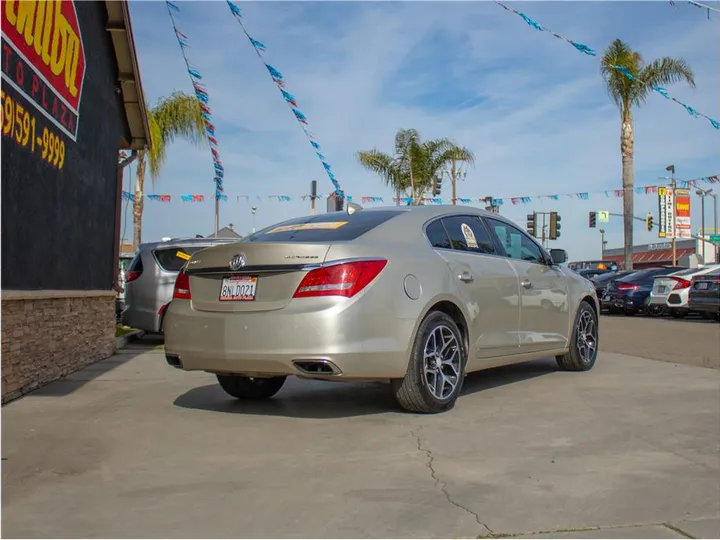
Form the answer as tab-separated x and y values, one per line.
150	279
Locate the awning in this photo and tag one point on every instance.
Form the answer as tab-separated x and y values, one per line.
655	256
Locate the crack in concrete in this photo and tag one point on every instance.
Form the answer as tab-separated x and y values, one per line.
590	528
442	486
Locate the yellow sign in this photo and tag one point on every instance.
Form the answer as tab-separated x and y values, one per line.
328	225
662	191
183	255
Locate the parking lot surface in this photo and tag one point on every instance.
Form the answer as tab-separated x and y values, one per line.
132	448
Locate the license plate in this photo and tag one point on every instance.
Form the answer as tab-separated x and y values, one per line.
661	289
702	285
238	289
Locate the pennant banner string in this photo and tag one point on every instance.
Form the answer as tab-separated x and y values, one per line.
279	81
368	199
590	52
203	100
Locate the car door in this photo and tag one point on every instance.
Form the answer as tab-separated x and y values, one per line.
544	309
486	283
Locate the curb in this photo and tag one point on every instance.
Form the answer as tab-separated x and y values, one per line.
122	341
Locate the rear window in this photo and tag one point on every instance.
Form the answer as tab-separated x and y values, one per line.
332	227
173	259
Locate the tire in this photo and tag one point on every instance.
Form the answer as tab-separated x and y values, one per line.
241	387
575	359
413	392
655	310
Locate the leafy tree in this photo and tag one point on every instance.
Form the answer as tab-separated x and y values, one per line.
175	116
628	93
416	165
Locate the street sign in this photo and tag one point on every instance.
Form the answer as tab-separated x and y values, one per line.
666	212
715	238
603	216
683	227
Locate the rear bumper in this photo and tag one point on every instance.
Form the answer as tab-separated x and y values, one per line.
658	299
355	344
705	305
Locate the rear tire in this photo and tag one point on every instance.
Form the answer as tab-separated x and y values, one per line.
583	343
241	387
436	369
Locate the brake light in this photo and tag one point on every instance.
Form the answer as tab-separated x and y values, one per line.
182	287
346	279
132	275
626	287
681	283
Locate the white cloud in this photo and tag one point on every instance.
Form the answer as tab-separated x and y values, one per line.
532	108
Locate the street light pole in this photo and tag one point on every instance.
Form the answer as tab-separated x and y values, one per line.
253	210
602	244
702	193
671	168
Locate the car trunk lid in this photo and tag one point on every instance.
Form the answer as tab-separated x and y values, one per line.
264	277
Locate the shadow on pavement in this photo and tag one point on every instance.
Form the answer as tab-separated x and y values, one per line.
324	399
77	379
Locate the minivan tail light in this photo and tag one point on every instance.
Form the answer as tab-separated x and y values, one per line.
344	279
681	283
132	275
182	287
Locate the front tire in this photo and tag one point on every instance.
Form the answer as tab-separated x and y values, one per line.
583	343
436	369
241	387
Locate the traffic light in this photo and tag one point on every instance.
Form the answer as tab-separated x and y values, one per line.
649	221
437	186
593	220
532	224
554	226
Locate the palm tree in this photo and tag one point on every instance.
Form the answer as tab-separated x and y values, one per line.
626	93
416	165
177	115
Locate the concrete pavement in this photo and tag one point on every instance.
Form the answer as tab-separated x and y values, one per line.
131	448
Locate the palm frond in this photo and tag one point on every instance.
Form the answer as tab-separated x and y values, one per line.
668	71
624	91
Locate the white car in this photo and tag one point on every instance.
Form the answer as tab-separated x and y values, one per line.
671	292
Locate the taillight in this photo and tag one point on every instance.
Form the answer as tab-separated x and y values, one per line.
626	287
345	279
681	283
182	287
132	275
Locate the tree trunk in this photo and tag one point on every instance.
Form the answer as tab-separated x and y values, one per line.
453	177
627	143
138	202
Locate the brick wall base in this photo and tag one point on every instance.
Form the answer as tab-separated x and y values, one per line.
47	335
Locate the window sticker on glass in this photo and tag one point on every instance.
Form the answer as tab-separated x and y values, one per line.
309	226
469	236
182	255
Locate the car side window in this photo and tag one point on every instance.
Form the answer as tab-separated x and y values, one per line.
516	243
467	233
436	234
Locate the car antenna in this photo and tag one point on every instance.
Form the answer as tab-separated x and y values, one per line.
353	207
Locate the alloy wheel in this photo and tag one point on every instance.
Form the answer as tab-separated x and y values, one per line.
441	362
587	333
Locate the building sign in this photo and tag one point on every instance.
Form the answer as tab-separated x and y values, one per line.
43	60
683	227
666	211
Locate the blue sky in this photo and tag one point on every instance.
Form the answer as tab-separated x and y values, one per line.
534	110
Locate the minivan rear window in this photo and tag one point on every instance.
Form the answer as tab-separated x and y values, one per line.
173	259
332	227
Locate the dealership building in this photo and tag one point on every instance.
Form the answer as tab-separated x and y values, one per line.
71	100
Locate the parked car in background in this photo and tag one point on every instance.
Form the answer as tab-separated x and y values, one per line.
631	294
414	295
704	294
150	279
602	281
671	293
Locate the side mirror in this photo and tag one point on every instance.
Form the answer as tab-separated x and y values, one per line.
558	256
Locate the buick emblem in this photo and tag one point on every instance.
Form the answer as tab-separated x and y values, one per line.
238	261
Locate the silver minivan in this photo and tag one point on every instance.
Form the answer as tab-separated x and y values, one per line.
150	279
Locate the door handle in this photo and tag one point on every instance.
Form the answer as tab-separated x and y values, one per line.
466	277
527	284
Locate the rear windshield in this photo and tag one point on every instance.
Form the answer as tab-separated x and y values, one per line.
332	227
172	259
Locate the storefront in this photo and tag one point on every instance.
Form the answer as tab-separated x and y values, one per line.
657	254
71	99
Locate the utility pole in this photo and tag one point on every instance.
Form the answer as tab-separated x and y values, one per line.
671	168
701	193
602	244
313	195
253	210
543	231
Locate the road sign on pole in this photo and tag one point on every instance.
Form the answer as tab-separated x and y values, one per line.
666	212
683	227
603	216
715	238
